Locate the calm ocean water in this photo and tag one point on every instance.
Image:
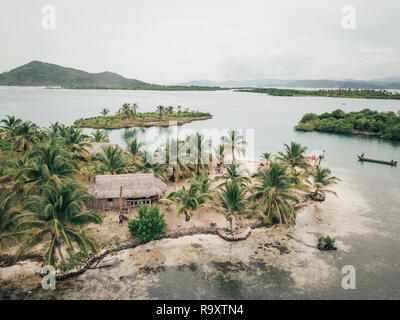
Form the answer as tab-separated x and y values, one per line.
365	218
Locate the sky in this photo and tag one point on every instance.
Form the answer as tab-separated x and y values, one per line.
174	41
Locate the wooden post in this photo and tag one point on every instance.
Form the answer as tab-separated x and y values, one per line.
120	199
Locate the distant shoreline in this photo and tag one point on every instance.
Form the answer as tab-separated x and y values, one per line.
326	93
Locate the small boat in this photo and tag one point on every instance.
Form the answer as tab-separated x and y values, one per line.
390	163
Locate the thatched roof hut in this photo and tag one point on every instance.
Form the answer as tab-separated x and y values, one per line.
97	147
136	186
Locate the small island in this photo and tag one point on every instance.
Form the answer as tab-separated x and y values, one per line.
332	93
385	125
127	116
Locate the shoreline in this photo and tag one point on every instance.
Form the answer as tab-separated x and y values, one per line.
93	260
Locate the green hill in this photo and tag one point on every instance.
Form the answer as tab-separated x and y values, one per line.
37	73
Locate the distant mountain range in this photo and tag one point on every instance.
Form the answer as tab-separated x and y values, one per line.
37	73
385	83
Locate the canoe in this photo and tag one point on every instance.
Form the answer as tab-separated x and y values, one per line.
390	163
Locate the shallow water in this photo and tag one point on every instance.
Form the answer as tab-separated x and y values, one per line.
272	263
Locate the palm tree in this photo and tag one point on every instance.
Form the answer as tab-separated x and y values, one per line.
200	156
133	149
274	192
56	218
234	174
54	128
9	213
125	110
322	180
220	151
231	200
170	110
77	142
236	142
49	161
175	160
99	136
112	160
148	164
203	182
265	158
179	108
134	107
160	110
104	112
188	200
9	128
294	155
300	178
26	135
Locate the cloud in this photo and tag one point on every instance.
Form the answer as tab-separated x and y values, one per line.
175	41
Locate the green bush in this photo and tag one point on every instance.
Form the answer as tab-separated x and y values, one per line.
326	243
380	124
5	145
150	223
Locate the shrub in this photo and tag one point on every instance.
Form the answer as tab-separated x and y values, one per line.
150	223
326	243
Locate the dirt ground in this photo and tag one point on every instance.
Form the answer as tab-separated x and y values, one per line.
110	232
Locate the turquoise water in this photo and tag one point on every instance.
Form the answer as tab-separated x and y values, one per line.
365	218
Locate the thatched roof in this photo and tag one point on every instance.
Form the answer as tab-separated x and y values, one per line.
136	186
97	147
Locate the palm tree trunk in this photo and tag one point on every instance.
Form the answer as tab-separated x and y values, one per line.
61	255
233	153
230	221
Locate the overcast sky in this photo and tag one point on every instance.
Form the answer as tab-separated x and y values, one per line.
171	41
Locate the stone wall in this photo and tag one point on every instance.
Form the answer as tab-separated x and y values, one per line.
92	259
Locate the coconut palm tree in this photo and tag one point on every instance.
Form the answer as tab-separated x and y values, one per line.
235	142
160	110
203	182
234	174
125	111
200	156
322	180
112	160
134	107
265	159
220	151
231	200
300	178
9	213
148	164
48	161
26	136
57	219
133	149
77	142
170	110
188	200
104	112
55	128
294	155
177	160
9	127
99	136
274	191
